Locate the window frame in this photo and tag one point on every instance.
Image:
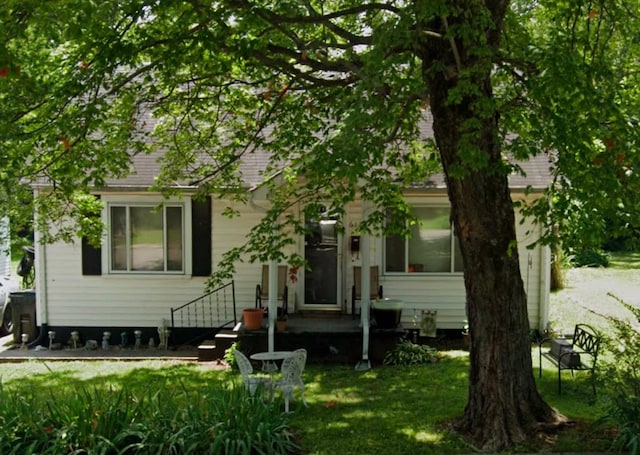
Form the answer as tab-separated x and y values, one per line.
454	249
153	202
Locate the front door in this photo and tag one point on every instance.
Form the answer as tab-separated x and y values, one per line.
322	251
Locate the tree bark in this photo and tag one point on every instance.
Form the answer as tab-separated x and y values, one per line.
503	407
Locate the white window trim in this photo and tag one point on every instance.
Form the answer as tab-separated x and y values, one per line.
406	273
142	200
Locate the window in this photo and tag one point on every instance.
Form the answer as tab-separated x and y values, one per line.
431	248
145	238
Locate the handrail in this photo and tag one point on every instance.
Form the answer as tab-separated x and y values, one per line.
214	309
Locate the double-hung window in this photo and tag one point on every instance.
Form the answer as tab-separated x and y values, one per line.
146	238
431	247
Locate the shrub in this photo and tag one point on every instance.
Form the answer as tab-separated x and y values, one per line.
213	420
621	381
406	353
592	258
229	356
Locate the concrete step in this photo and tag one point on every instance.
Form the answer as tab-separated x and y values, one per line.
210	350
207	351
224	340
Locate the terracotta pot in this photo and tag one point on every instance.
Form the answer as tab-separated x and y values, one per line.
281	326
253	318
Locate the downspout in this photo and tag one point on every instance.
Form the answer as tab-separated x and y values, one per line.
544	282
544	287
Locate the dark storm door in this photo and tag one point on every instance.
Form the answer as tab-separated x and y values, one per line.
322	252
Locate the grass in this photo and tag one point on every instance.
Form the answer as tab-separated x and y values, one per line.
586	297
386	410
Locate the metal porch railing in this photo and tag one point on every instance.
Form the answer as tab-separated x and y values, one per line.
216	309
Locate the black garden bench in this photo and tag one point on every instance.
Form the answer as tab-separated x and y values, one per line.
578	354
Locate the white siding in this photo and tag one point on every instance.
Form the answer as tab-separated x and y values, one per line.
229	233
138	300
114	300
446	293
121	300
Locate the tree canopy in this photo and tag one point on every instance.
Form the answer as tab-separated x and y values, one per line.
580	86
334	91
320	86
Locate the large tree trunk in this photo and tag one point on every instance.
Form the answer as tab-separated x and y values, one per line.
504	406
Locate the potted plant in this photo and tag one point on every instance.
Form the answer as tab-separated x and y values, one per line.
281	323
253	318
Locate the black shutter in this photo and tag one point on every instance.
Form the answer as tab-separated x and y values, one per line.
201	236
91	257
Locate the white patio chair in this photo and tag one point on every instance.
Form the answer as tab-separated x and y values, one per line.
292	368
250	380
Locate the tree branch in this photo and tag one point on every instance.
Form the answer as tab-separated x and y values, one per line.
452	43
320	19
348	36
290	69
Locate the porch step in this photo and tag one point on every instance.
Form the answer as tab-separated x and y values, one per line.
214	349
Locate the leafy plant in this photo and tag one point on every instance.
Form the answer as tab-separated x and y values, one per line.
621	379
229	357
335	393
406	353
592	258
177	419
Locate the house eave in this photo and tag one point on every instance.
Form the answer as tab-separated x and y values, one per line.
441	190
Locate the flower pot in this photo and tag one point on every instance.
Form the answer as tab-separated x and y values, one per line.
253	318
281	325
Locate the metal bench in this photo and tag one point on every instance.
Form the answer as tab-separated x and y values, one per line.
580	354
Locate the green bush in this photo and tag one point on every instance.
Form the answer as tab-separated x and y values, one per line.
620	378
591	258
173	420
406	353
229	356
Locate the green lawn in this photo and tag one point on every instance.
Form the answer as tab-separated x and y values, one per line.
586	298
387	410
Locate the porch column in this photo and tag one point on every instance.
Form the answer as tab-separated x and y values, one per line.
273	303
365	293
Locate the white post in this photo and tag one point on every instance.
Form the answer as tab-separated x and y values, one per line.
273	303
365	293
5	253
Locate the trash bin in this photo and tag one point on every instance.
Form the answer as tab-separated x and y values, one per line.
387	313
23	314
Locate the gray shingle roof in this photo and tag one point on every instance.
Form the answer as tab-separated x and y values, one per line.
145	168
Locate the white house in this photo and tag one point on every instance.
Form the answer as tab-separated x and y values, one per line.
152	261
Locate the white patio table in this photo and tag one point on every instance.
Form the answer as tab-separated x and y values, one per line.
269	360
